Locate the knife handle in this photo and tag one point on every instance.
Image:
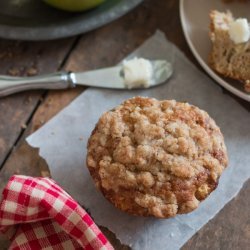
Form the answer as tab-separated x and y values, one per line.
59	80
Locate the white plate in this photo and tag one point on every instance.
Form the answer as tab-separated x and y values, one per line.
195	23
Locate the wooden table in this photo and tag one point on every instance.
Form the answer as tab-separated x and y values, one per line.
21	114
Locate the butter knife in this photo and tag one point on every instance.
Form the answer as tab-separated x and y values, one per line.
103	78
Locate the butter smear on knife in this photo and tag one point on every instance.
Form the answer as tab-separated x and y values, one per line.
137	72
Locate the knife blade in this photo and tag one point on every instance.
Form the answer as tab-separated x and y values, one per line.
103	78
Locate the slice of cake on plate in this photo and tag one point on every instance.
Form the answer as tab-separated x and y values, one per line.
230	54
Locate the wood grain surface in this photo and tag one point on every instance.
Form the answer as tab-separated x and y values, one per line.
19	59
24	113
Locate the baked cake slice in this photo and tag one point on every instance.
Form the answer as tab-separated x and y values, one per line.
230	55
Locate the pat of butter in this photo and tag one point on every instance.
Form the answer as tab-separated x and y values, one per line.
137	72
239	31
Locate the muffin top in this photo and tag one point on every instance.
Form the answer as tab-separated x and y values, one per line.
156	158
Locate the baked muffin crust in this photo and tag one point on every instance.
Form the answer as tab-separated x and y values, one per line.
156	158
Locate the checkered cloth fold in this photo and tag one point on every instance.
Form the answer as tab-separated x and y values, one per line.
37	214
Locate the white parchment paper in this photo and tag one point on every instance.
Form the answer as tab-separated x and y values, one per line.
62	142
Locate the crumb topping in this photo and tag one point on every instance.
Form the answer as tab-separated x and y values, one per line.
158	158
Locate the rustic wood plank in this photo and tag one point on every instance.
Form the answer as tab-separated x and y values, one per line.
25	58
107	46
24	159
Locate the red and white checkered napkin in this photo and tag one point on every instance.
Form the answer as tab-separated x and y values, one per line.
37	214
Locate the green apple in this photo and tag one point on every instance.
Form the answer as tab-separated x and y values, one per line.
74	5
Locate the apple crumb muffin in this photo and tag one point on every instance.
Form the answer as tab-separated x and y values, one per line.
156	158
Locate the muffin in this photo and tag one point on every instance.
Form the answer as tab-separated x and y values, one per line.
156	158
228	58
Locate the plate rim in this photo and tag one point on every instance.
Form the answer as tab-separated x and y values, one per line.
204	65
63	31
